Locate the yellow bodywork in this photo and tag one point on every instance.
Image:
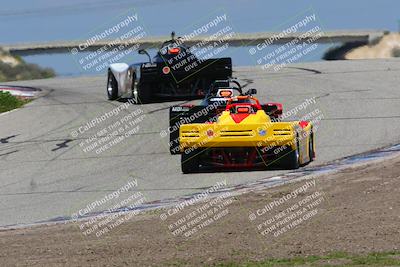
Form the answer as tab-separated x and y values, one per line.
256	130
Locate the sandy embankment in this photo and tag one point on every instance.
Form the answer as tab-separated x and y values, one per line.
383	49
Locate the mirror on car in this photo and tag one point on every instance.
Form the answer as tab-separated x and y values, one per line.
251	91
144	52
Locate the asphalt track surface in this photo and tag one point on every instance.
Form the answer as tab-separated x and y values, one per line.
45	174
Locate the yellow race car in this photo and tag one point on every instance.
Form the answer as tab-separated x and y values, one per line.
245	137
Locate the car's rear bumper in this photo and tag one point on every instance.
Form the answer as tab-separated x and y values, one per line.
255	135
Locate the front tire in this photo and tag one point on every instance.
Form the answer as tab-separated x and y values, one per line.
112	86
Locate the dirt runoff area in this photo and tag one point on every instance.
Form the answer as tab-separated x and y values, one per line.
355	211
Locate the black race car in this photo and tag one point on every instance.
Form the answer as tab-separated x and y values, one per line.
210	107
174	72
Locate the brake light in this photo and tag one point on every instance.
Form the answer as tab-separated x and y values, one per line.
243	109
174	50
225	93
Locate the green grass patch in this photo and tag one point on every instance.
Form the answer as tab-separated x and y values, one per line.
333	259
9	102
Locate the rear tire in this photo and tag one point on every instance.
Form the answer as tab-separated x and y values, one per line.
311	146
190	161
142	93
174	134
290	160
112	86
174	142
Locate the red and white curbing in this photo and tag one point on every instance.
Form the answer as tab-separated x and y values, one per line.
20	91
